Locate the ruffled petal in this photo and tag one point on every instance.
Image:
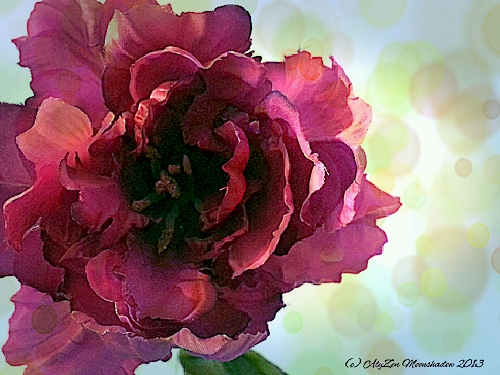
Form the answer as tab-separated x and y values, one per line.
206	35
324	256
232	79
44	336
269	210
373	203
29	266
64	51
100	200
236	187
155	68
341	168
221	348
59	128
321	95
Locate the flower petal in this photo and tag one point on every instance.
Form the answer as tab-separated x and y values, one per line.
236	187
64	52
206	35
321	95
324	256
44	336
30	267
155	68
269	210
59	128
100	200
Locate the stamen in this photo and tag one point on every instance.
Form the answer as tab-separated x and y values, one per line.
166	237
174	169
141	205
167	184
186	164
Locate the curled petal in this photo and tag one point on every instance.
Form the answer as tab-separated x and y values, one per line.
206	35
321	94
64	52
324	256
220	347
59	128
44	336
235	167
269	211
155	68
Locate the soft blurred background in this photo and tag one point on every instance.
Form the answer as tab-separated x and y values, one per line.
431	71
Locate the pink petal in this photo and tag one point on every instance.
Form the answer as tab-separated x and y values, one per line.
22	211
232	79
321	95
64	52
268	211
220	347
29	266
235	167
45	337
15	170
101	277
84	299
59	128
341	169
100	200
324	256
189	292
155	68
206	35
372	202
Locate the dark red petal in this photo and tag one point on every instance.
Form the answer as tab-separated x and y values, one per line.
259	296
23	211
100	200
83	298
15	170
155	68
29	266
268	211
341	168
236	187
324	256
321	95
189	292
238	80
45	337
206	35
101	277
64	51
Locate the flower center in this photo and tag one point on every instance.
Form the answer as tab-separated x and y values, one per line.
168	183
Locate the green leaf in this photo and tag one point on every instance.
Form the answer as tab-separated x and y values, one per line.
250	363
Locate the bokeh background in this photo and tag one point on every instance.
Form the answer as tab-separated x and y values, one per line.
431	71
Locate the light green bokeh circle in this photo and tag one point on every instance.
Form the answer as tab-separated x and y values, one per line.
323	371
433	283
492	169
495	260
383	324
491	30
408	294
478	235
453	340
382	13
293	322
414	196
424	246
